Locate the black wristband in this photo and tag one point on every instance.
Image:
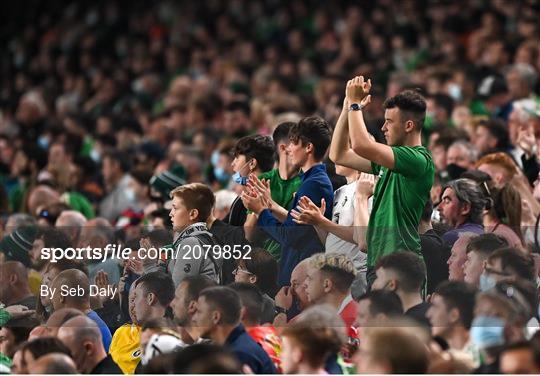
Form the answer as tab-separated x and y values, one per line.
280	310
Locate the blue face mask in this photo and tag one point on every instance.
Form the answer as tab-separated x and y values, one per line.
239	179
486	282
221	174
487	331
214	159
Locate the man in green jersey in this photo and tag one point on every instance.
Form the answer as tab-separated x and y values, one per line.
404	167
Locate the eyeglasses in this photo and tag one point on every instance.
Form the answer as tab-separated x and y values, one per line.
239	269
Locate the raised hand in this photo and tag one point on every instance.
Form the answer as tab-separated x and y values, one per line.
262	187
357	91
365	185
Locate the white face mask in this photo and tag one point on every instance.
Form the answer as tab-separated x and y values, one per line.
130	195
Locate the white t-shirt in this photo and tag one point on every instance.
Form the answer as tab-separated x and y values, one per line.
343	214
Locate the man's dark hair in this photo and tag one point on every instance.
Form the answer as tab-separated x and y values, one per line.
382	301
260	148
459	295
265	268
122	158
195	284
160	284
54	238
486	244
515	262
226	301
498	129
281	133
252	300
411	105
314	130
467	191
409	267
44	345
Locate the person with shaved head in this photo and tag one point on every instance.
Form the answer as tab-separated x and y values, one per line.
53	364
83	336
76	279
14	288
71	222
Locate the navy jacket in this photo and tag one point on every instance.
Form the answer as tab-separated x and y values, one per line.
298	242
249	352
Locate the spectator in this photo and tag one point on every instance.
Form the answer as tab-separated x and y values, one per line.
283	181
461	207
519	358
33	350
451	314
500	316
252	319
521	79
460	154
14	288
115	170
53	363
224	201
478	250
405	273
391	350
504	215
492	136
291	300
458	257
71	223
506	264
310	139
499	166
404	158
328	281
252	155
83	336
260	269
184	303
308	343
434	251
191	206
377	307
152	294
217	317
76	279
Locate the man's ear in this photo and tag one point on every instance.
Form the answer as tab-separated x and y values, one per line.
327	285
193	214
13	279
192	307
393	284
309	147
465	209
409	126
453	315
252	279
297	355
151	299
216	317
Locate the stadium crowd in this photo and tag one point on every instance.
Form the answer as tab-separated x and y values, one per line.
327	187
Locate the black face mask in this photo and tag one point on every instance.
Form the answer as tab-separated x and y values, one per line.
454	171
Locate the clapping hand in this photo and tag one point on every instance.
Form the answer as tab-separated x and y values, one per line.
307	213
357	91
